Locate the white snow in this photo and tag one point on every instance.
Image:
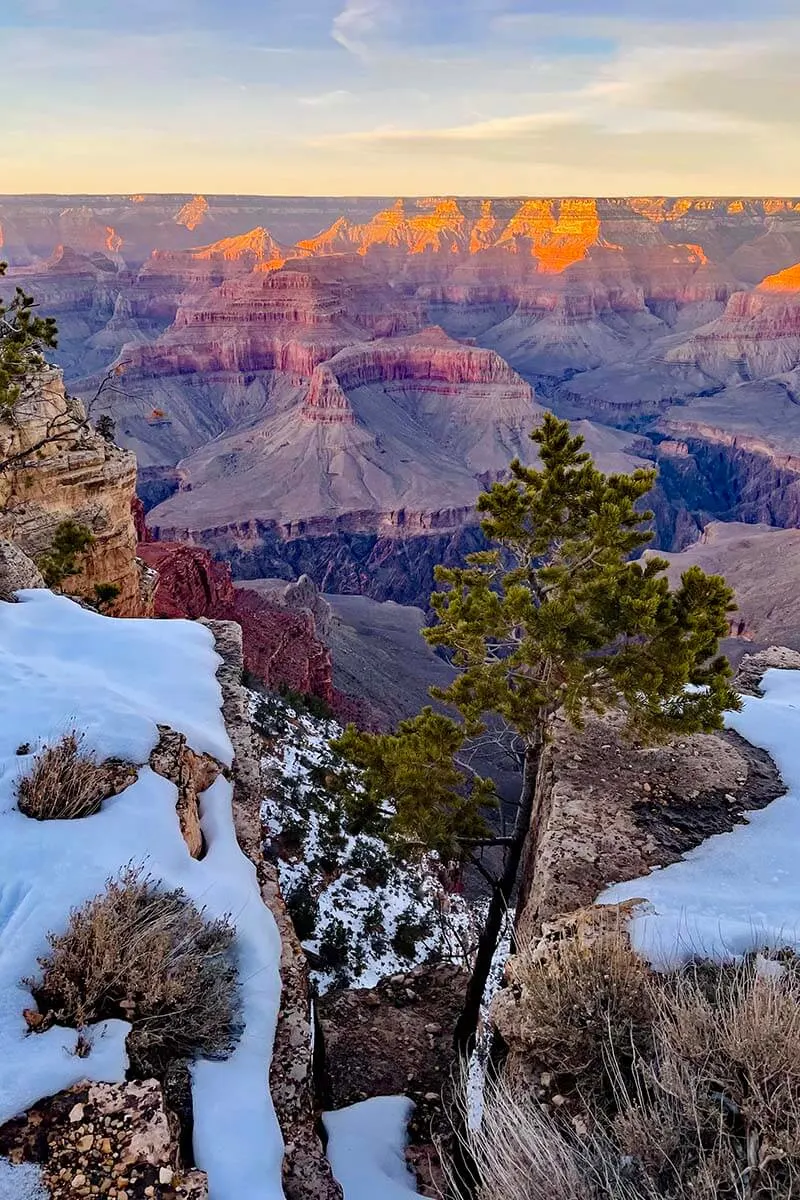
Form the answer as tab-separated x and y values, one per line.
63	667
20	1182
327	867
366	1149
738	891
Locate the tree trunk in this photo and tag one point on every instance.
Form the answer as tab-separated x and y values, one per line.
467	1026
464	1173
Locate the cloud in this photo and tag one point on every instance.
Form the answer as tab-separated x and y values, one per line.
326	99
761	86
359	22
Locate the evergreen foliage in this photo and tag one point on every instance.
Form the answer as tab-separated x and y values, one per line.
106	426
558	616
434	807
69	541
105	594
24	337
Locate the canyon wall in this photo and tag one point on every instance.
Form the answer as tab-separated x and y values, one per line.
283	630
63	470
336	400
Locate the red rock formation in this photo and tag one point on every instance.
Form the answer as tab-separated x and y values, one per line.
757	336
430	362
139	521
784	281
202	267
286	320
193	213
281	645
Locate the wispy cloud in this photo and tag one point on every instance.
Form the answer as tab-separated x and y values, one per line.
424	95
326	99
359	22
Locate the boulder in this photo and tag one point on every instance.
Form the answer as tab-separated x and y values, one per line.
17	571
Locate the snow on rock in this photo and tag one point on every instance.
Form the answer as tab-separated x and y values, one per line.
364	912
366	1148
20	1182
738	891
63	667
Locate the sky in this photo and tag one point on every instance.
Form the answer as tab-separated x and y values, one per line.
411	97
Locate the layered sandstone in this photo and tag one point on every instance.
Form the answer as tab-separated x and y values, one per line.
81	290
59	470
395	433
757	336
747	556
282	647
199	268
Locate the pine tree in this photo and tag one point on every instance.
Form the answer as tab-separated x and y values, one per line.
70	541
559	616
24	337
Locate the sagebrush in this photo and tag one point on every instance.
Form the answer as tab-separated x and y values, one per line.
150	957
66	782
683	1085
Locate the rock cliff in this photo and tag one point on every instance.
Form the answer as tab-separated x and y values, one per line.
299	358
63	470
282	644
757	336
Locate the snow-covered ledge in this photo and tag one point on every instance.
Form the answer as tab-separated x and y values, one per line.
739	891
63	667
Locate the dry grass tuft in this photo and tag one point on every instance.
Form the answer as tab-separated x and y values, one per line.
717	1107
149	957
519	1153
573	1005
66	782
705	1105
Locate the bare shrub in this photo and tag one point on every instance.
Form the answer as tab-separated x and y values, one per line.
703	1106
149	957
66	782
567	1008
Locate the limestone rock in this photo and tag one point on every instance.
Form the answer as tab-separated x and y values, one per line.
79	476
104	1139
617	810
304	595
192	774
753	667
17	571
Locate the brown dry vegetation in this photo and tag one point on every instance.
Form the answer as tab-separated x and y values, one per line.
66	782
565	1012
149	957
703	1105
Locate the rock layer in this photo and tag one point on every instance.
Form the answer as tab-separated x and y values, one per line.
282	648
61	469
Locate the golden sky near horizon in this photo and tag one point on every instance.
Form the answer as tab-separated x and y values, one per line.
383	97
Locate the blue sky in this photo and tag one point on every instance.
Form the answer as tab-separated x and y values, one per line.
400	96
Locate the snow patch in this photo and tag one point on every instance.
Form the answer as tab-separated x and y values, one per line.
20	1181
366	1149
738	891
370	913
63	667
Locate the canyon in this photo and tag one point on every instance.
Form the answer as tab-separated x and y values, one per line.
324	386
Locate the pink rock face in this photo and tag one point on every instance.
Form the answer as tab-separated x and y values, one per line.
757	336
281	645
429	362
276	320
